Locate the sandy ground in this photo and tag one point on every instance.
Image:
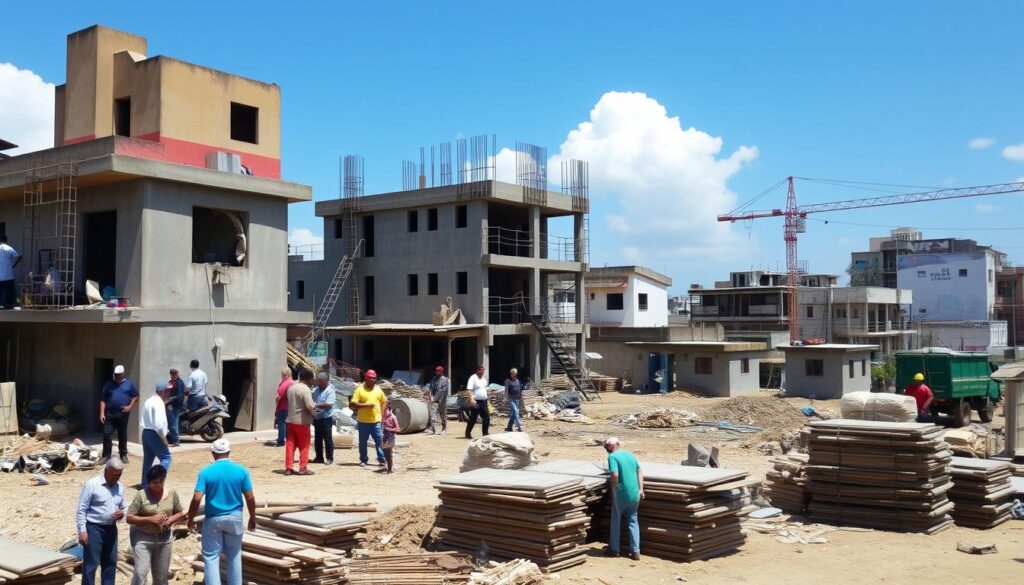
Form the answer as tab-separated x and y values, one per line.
44	515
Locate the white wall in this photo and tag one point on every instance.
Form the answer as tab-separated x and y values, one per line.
940	293
656	314
964	335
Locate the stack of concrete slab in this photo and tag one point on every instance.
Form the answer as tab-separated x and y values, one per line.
541	517
340	531
27	564
595	478
786	483
982	493
439	568
272	560
691	513
885	475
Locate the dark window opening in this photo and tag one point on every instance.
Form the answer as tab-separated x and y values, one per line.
461	216
123	116
432	283
432	219
368	350
851	368
338	347
461	283
100	257
368	296
244	123
339	230
810	312
413	221
613	302
745	366
702	365
642	298
414	285
219	236
963	272
368	236
814	367
300	289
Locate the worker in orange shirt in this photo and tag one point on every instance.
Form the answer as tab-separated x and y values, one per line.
923	395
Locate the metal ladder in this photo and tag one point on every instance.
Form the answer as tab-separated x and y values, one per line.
323	313
563	348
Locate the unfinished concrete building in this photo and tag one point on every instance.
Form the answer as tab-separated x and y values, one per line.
164	190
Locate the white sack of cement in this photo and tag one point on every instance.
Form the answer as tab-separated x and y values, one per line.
880	406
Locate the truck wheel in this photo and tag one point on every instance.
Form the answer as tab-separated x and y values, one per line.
962	413
988	410
211	432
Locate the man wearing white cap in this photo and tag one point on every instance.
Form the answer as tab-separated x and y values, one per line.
153	429
225	484
118	399
627	487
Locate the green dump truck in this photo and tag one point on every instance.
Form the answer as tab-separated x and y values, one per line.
961	381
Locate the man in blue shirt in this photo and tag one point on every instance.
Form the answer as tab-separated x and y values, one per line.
323	419
224	483
175	404
100	508
119	397
197	382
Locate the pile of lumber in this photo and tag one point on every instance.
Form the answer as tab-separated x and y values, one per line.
27	564
272	560
441	568
605	383
691	513
595	479
319	527
982	493
786	483
296	359
884	475
513	514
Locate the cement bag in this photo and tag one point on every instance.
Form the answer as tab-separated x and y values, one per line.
344	438
880	406
500	451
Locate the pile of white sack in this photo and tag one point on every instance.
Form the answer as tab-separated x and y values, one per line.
880	406
499	451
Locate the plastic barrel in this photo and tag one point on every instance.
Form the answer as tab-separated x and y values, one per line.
411	414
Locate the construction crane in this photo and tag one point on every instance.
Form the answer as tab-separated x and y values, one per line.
796	217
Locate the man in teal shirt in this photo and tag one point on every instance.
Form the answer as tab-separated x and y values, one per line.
627	488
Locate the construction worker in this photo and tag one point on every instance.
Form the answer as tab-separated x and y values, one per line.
476	395
627	489
300	416
923	395
9	259
118	399
369	402
436	395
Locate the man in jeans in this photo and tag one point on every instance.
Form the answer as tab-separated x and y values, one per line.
100	508
627	487
224	483
476	390
369	401
119	397
281	406
175	405
153	431
514	396
323	419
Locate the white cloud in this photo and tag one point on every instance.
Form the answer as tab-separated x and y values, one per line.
985	208
669	184
307	243
26	109
980	143
1014	152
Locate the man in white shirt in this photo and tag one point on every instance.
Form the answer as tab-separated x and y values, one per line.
153	429
476	391
196	386
9	258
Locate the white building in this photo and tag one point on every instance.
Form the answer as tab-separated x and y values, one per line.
950	287
627	296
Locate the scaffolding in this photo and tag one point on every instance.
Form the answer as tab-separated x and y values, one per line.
50	210
352	187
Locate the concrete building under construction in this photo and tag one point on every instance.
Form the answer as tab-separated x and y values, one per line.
163	194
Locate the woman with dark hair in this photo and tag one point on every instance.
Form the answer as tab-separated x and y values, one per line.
152	514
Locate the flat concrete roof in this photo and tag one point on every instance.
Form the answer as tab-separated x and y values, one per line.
723	346
829	347
141	315
102	161
607	271
409	329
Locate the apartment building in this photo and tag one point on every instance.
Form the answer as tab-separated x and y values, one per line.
754	300
627	296
857	315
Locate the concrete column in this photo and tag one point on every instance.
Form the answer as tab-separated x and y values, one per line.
535	231
536	349
579	241
581	295
537	292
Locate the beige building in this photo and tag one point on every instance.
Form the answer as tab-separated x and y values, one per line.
857	314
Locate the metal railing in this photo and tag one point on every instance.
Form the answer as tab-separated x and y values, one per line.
507	242
307	251
516	310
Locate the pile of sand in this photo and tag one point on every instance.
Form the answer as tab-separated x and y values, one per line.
771	414
408	526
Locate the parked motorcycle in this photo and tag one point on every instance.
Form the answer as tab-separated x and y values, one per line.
206	422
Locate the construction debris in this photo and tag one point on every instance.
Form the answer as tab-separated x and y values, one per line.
771	415
318	527
441	568
982	494
880	406
25	564
973	441
403	529
499	451
786	483
517	572
659	418
272	560
976	549
886	475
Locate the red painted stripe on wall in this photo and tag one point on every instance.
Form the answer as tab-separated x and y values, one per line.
85	138
194	154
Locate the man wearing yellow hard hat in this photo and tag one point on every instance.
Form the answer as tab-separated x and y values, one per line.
923	395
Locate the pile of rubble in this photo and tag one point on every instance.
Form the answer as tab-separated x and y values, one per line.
26	454
659	418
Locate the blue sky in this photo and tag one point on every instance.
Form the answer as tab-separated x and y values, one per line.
866	91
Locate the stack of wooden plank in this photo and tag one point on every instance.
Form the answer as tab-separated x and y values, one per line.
885	475
786	483
340	531
691	513
442	568
595	479
271	560
982	493
541	517
27	564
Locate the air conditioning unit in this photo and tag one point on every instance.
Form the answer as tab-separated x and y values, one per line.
227	162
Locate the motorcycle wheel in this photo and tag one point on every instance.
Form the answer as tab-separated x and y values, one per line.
211	432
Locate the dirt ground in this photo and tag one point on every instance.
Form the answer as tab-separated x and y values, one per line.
45	515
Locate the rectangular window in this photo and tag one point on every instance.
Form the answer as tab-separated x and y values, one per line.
990	275
244	123
461	216
863	367
215	236
300	289
851	368
368	290
413	221
814	367
745	366
368	236
702	365
123	116
642	299
432	219
591	296
339	230
963	273
414	285
461	283
856	313
920	273
810	312
432	283
613	302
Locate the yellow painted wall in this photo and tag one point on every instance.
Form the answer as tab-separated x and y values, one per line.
140	80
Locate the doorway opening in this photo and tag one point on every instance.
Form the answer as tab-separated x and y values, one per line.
100	259
238	384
